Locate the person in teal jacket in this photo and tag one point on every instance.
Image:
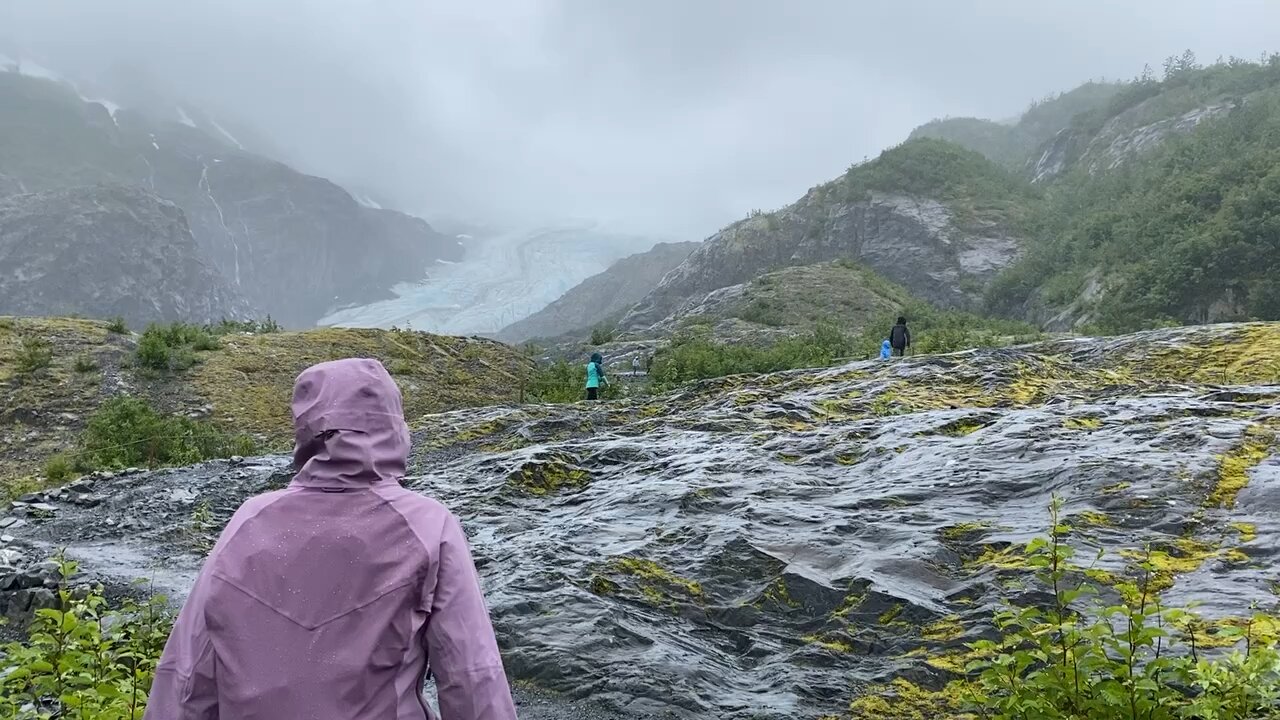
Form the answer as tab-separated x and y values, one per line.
595	376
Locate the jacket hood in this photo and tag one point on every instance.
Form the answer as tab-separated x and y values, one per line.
349	426
597	358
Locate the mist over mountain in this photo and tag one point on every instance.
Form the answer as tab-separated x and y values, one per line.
666	118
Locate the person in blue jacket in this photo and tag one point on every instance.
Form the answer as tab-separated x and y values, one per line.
885	350
595	376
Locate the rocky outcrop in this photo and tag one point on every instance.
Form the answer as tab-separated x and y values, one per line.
107	251
1123	137
603	296
1116	143
770	545
294	245
916	242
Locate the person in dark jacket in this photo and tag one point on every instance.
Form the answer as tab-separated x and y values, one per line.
900	337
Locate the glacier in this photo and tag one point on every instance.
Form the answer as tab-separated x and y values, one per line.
505	276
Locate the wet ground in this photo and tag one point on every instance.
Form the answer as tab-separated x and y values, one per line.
770	547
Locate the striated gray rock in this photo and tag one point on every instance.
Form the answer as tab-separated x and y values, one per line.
1123	137
913	241
1115	143
765	547
294	245
107	251
602	296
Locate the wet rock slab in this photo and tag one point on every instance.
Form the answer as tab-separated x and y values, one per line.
770	547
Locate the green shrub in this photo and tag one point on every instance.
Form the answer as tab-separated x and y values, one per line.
59	468
33	354
152	353
253	327
126	431
561	382
693	355
84	659
85	364
118	326
174	346
601	335
1135	659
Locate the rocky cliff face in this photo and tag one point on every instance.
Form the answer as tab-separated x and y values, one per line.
913	241
602	296
107	251
294	245
766	547
1122	138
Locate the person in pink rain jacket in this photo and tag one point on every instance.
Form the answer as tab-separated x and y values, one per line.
334	598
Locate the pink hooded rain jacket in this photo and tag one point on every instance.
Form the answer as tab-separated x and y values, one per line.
330	599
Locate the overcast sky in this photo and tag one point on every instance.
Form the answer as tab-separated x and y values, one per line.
661	116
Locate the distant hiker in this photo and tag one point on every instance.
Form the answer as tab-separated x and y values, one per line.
900	337
635	365
595	376
885	350
327	599
648	364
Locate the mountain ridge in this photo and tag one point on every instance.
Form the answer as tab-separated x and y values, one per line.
295	245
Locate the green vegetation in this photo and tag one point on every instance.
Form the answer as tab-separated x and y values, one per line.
1183	233
694	355
561	382
118	326
34	354
1076	660
173	347
126	432
843	291
602	334
84	659
973	187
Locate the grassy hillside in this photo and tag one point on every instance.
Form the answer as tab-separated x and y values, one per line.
56	373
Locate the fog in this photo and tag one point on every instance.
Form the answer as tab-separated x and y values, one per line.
669	117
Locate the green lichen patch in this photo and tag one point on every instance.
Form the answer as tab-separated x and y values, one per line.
1082	423
904	700
549	475
1234	467
657	586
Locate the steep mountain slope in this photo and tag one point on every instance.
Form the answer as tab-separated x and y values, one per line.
107	251
293	244
1161	209
601	297
771	547
929	215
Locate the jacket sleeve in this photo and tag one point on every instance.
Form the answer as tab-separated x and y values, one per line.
461	648
185	685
